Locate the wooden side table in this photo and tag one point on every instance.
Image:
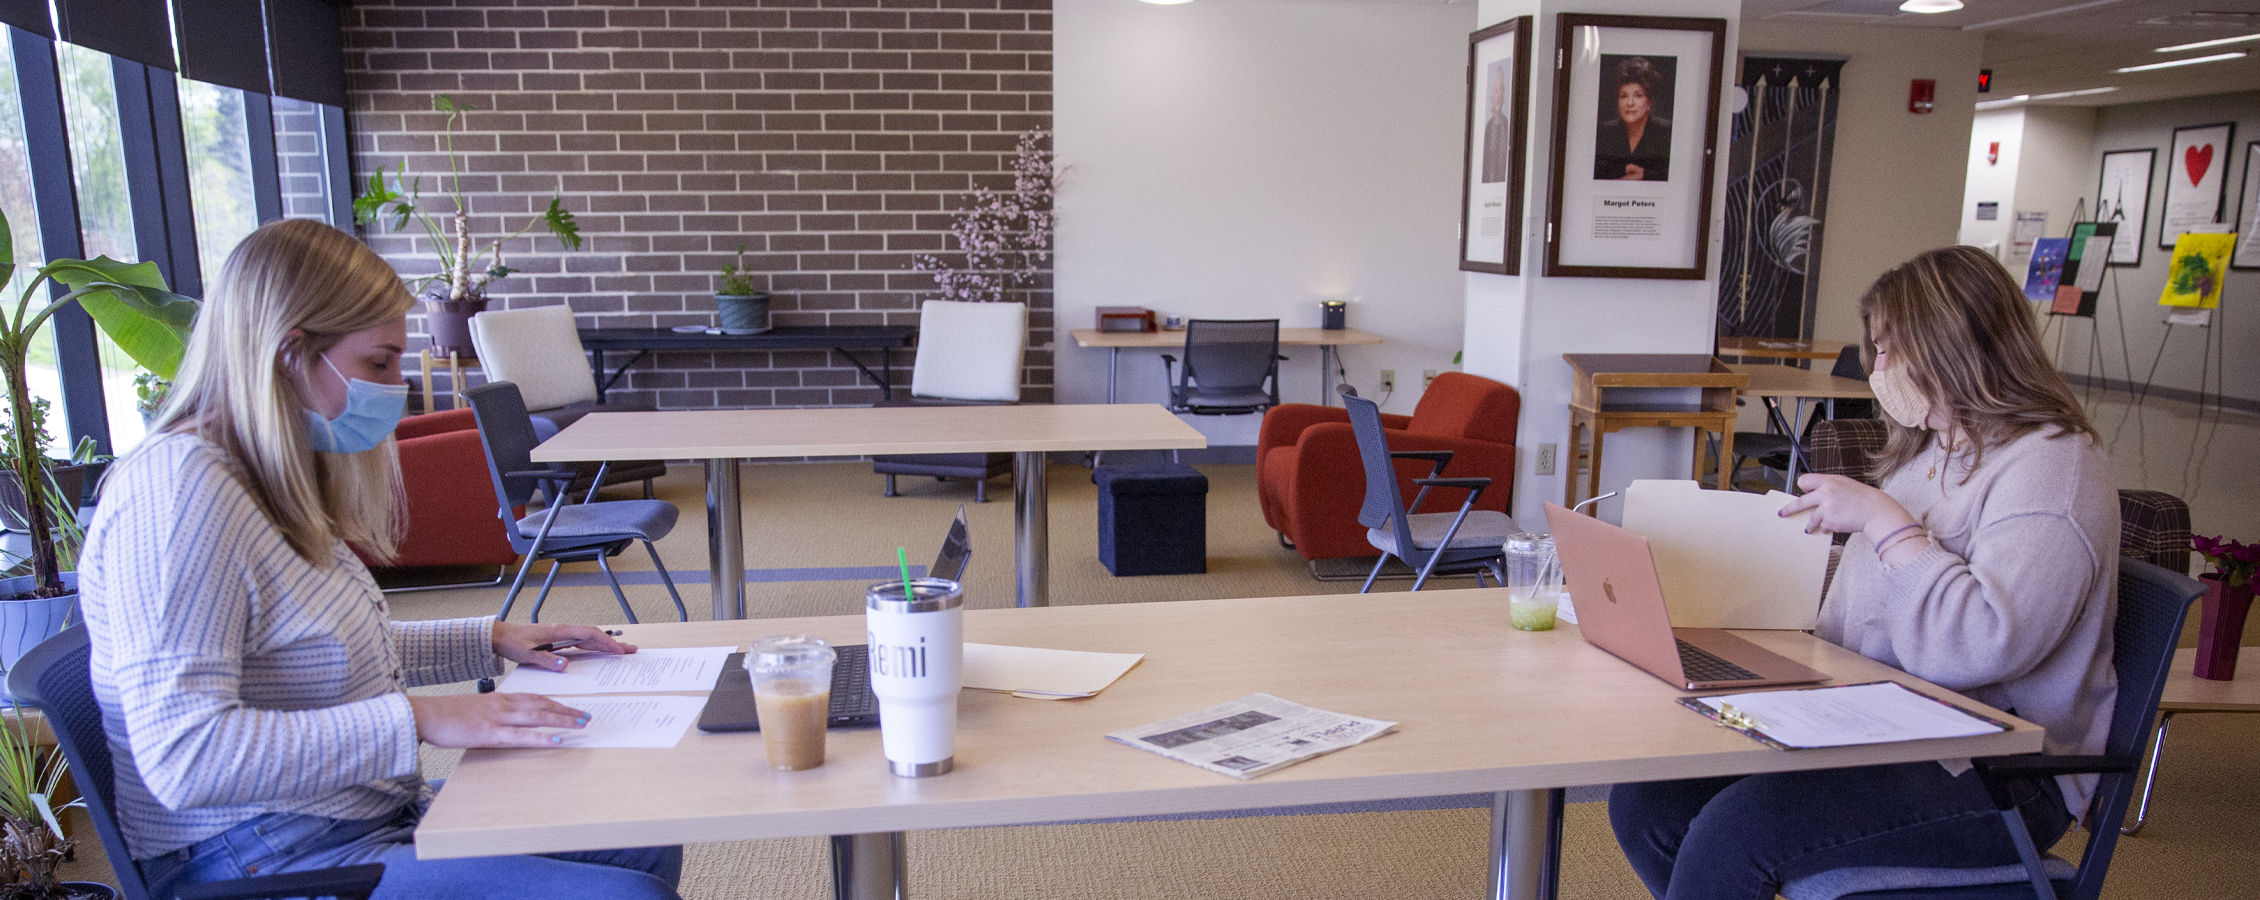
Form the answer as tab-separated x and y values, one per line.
455	362
1604	389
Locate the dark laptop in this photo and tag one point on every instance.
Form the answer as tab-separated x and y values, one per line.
730	707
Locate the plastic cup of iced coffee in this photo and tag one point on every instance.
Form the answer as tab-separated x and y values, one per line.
792	693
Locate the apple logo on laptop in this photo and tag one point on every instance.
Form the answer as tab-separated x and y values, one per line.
1609	589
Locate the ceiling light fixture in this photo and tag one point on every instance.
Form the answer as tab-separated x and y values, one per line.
2194	60
1930	6
2200	45
2062	94
2005	101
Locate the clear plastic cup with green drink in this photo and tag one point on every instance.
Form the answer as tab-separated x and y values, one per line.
1534	581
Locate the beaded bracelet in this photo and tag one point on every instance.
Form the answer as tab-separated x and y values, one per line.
1893	533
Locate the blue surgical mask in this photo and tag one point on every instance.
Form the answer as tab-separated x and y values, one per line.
372	410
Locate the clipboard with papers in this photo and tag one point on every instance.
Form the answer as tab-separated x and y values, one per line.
1842	715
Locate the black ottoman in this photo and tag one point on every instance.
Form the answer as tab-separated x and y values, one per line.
1153	520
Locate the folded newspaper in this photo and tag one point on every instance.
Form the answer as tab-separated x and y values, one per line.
1252	735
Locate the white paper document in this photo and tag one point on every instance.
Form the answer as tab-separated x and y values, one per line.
1255	734
655	722
644	671
1845	715
1038	673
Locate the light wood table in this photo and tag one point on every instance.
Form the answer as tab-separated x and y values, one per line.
1780	348
1481	707
723	436
1772	384
1600	382
1324	339
2185	692
454	362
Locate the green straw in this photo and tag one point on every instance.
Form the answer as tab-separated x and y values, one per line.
902	558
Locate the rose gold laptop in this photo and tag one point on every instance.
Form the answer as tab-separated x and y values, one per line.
1620	608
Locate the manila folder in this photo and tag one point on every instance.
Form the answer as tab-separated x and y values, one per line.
1727	559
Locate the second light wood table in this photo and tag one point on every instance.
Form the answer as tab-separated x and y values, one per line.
1481	707
1325	339
721	437
1772	384
2185	692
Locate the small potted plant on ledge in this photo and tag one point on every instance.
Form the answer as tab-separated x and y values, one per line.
32	843
458	290
741	309
2228	597
130	304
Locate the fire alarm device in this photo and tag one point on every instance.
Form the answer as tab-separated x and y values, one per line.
1993	153
1921	95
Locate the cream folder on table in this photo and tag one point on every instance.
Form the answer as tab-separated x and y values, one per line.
1727	559
1041	674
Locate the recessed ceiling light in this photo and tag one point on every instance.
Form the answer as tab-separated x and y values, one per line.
2194	60
1930	6
2200	45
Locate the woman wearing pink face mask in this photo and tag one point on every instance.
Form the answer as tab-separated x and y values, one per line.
1987	563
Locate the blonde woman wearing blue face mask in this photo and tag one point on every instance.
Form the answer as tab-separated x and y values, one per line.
251	681
1986	562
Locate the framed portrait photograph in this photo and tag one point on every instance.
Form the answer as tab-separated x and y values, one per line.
1631	192
2122	195
1498	94
2247	227
2197	180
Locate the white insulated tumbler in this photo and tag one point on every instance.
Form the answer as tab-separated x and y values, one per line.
917	646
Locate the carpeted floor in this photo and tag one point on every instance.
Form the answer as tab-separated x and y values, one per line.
2201	842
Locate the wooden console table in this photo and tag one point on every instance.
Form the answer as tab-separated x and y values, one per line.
1604	389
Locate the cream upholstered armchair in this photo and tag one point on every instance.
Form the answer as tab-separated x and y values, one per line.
539	350
968	353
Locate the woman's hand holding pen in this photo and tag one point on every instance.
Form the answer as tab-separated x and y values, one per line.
534	645
492	720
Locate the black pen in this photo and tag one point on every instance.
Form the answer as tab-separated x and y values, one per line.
560	645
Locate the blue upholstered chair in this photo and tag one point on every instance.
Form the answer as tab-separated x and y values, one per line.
2152	604
1468	540
589	531
54	677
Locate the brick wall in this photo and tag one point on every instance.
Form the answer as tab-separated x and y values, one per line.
832	138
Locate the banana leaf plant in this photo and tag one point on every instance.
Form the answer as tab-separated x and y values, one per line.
131	304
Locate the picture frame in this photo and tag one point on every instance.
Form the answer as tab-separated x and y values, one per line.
2247	227
1498	129
2197	180
1627	201
2122	195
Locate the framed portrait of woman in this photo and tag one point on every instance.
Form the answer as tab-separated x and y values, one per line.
1498	91
1636	103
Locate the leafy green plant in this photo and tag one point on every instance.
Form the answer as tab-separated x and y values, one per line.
130	304
31	837
736	281
466	268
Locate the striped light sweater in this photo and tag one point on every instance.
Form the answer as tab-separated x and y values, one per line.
235	678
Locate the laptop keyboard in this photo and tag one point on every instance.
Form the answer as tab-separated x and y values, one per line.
1702	665
851	682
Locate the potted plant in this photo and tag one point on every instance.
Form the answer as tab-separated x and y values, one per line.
151	324
2228	597
458	290
32	843
742	309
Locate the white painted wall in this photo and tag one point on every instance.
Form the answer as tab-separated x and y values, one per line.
1250	158
1992	181
2053	165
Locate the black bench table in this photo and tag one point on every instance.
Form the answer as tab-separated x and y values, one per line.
884	338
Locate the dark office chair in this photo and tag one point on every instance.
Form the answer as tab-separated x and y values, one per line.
1771	448
590	531
2152	604
1469	540
54	678
1231	367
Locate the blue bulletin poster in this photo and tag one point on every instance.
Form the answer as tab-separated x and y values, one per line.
2047	268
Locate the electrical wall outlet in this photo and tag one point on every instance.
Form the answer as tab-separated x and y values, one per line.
1388	380
1427	378
1545	459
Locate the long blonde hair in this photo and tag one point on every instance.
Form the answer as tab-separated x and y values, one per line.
1958	324
234	388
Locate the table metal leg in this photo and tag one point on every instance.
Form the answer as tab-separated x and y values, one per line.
1031	530
1796	450
1113	356
1526	844
1326	375
725	539
2150	775
868	867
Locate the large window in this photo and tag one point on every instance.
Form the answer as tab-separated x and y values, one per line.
218	133
105	211
23	225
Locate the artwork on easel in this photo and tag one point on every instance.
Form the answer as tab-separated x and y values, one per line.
2085	256
2122	195
2200	264
2197	180
2046	270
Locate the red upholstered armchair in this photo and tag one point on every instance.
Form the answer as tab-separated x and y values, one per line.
451	505
1311	483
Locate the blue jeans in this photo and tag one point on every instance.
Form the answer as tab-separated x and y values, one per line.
1742	837
289	842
